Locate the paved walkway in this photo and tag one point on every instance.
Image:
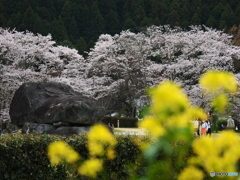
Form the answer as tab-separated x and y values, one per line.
129	131
140	131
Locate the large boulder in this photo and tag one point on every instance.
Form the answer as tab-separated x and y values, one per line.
52	102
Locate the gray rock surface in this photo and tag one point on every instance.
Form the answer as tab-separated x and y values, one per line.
66	130
29	128
53	108
51	103
37	128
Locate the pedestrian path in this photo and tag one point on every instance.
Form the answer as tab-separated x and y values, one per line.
129	131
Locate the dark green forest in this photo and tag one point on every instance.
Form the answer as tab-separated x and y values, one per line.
78	23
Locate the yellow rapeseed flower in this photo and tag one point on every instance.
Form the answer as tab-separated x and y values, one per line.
91	167
95	148
196	113
191	173
184	119
167	99
219	103
100	137
60	150
100	133
214	81
218	154
152	126
110	153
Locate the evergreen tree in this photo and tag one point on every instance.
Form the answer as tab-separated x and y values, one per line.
195	4
164	11
129	24
58	30
175	5
211	22
112	23
3	21
28	21
139	15
90	44
81	46
217	11
95	24
237	12
66	15
205	13
81	14
2	9
16	19
196	17
129	9
39	26
157	21
66	43
228	17
195	20
146	22
185	16
173	18
90	18
105	6
44	13
23	6
73	30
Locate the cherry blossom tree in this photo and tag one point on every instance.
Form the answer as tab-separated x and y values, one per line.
119	68
159	53
25	57
121	61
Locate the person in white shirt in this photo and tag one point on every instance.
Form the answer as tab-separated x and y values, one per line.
204	127
230	123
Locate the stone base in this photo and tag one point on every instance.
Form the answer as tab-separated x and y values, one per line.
29	128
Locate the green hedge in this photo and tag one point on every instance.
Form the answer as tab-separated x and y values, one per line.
123	122
24	157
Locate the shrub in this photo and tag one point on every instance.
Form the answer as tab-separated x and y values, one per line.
25	157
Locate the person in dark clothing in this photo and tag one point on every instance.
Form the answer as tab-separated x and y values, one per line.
215	123
209	128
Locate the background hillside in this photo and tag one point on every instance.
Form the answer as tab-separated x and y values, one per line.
78	23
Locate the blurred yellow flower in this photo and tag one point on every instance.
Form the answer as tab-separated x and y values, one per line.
167	99
100	138
214	81
60	150
218	154
152	126
191	173
100	133
91	167
110	153
196	113
184	119
95	148
219	103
